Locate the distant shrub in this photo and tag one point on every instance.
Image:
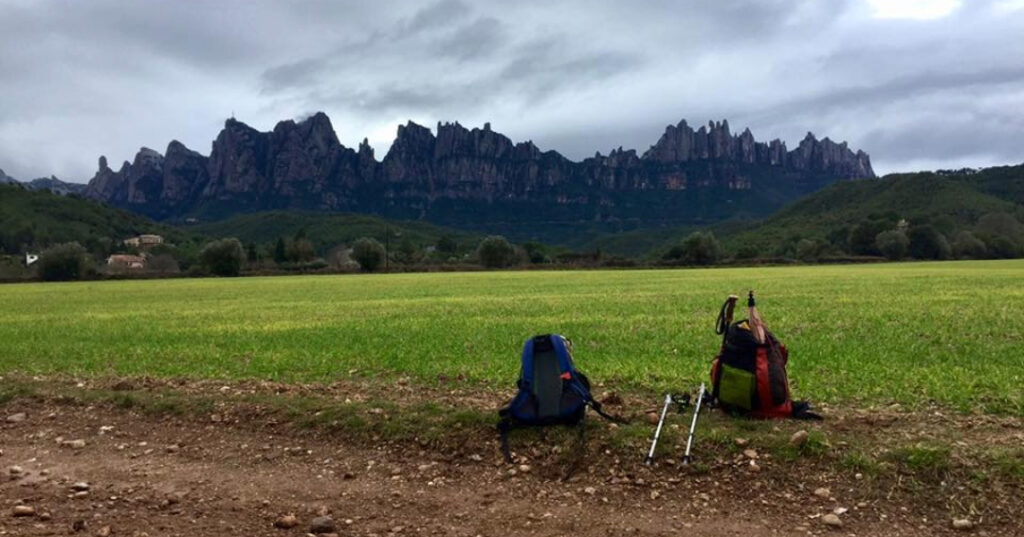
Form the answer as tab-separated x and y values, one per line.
967	246
862	236
1003	247
280	251
67	261
406	252
163	264
535	252
674	253
747	251
927	243
807	250
999	224
1002	233
223	257
496	252
300	251
893	244
699	248
446	244
369	253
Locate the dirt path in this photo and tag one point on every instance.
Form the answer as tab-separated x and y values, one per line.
205	475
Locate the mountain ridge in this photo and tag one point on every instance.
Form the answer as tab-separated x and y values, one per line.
45	183
474	177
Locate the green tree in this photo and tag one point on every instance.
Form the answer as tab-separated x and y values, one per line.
280	251
496	252
536	252
699	248
1003	235
369	253
251	254
839	238
1003	247
927	243
893	244
747	251
223	257
300	251
446	244
406	252
944	224
862	236
67	261
675	253
999	224
807	250
967	246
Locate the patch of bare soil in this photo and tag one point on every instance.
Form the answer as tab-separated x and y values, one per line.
72	464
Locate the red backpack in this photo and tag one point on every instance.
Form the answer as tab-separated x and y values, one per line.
748	376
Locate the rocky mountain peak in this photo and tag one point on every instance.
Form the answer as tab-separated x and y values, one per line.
412	139
6	179
457	173
365	149
148	157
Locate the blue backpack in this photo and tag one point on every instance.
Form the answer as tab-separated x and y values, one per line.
551	390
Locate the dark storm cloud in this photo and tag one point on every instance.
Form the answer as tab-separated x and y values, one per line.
940	86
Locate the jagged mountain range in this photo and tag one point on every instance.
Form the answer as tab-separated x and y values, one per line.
476	178
45	183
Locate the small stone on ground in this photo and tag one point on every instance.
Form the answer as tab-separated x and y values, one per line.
23	510
322	524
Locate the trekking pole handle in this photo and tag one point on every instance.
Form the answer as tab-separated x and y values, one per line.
693	424
657	432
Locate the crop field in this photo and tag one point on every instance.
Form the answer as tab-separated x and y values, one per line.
918	333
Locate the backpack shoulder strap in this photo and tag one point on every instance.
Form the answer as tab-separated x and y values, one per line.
526	372
597	408
565	361
504	426
564	358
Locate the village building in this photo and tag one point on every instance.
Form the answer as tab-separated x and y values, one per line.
144	241
126	262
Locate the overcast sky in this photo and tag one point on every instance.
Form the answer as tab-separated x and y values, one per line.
918	84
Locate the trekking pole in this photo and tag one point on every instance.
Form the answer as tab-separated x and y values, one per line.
693	424
657	432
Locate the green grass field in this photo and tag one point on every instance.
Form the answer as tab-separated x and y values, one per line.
915	333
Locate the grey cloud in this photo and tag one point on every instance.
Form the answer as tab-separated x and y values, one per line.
440	14
405	99
953	137
483	37
906	88
107	76
289	75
